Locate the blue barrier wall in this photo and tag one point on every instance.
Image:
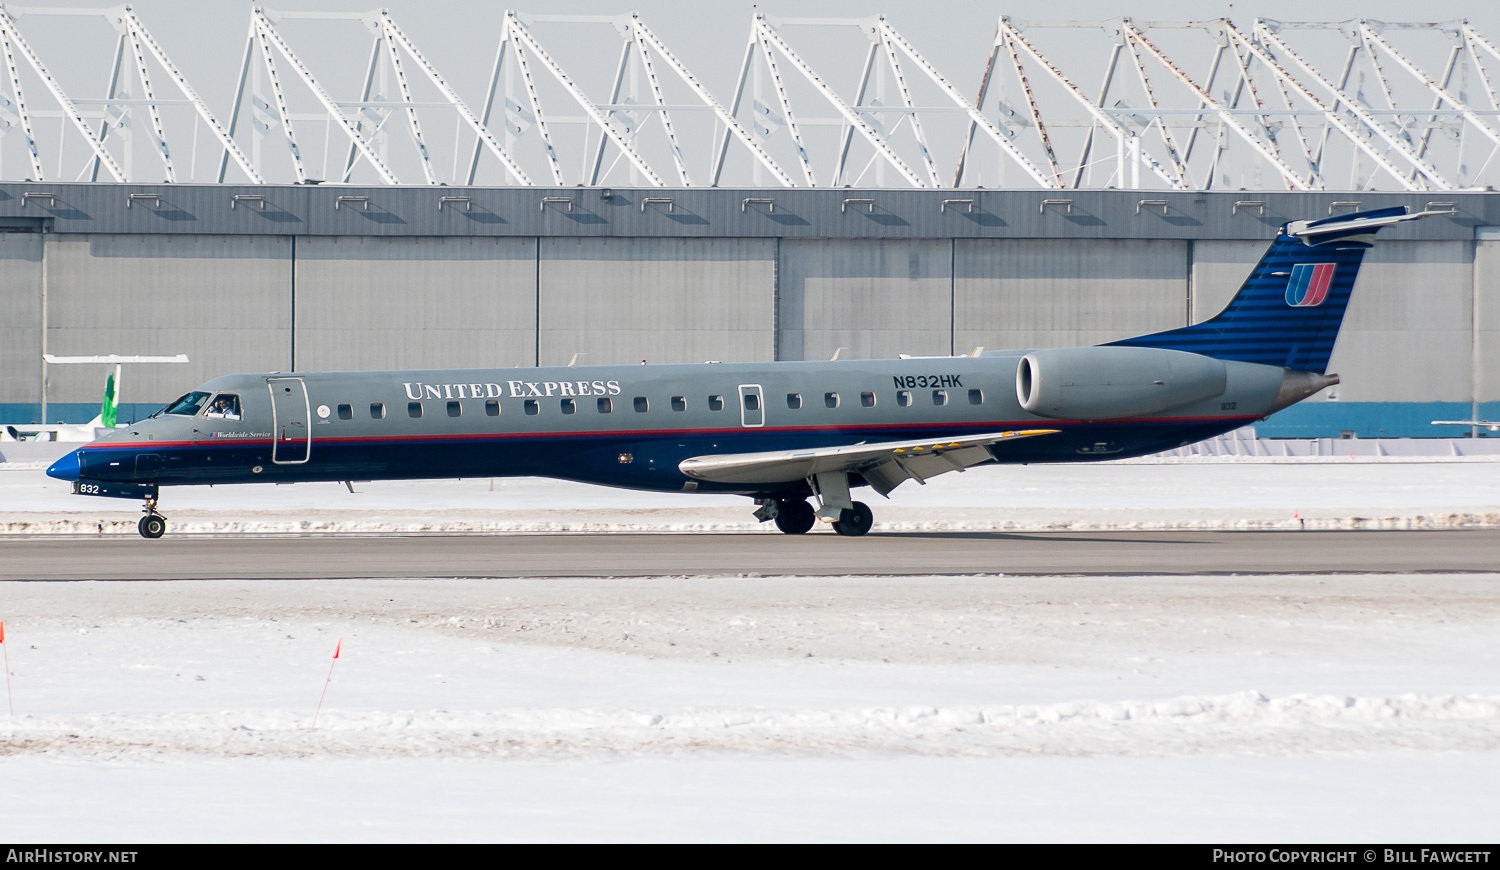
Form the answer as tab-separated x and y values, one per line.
1374	420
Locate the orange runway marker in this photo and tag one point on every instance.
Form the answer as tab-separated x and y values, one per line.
335	661
8	697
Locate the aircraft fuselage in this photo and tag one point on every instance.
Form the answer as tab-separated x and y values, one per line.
625	426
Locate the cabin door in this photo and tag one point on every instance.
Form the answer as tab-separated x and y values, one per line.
752	406
291	433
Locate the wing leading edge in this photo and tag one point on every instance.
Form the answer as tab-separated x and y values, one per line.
885	465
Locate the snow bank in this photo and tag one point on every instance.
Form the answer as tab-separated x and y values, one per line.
1241	722
675	523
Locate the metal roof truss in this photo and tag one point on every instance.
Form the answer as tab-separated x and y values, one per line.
1196	105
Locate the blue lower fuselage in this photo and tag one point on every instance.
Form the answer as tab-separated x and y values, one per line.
637	460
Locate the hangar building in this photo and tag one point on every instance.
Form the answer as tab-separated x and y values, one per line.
286	278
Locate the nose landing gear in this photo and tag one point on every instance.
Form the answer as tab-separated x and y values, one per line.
153	525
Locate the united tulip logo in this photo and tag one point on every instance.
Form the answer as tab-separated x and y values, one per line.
1309	284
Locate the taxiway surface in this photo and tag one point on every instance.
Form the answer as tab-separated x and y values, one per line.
612	555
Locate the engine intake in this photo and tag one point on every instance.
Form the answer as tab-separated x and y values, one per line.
1096	383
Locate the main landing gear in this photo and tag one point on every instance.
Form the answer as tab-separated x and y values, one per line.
796	516
854	521
793	516
848	517
153	525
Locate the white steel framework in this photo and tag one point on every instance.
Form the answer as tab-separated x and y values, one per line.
1214	104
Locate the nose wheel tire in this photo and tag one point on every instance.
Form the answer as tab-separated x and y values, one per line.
856	521
795	517
152	526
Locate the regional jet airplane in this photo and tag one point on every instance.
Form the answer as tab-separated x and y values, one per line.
780	433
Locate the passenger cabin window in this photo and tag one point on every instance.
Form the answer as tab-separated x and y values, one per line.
346	412
939	397
752	401
679	403
831	400
377	410
455	409
225	406
606	405
715	403
903	398
794	400
867	399
188	405
492	407
569	406
642	405
413	409
532	407
976	397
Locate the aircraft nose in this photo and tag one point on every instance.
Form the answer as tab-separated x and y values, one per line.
65	468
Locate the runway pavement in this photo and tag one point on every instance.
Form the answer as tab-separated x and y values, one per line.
820	554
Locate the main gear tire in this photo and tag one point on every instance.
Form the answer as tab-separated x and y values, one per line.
795	516
855	521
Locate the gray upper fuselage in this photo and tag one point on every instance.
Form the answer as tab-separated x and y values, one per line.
834	395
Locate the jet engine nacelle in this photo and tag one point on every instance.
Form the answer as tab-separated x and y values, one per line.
1095	383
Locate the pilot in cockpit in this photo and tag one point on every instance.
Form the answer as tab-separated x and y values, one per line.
226	406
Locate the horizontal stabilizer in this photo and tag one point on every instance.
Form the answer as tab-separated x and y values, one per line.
884	464
1327	229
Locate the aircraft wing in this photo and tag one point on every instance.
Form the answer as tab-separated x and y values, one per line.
885	464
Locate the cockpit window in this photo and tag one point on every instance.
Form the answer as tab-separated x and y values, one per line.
188	405
225	405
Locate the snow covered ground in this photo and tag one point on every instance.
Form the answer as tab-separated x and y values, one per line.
1169	493
1426	797
1299	708
1068	708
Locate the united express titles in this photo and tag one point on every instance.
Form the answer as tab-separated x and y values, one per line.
512	389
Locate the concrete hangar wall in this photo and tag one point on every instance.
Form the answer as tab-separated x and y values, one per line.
321	277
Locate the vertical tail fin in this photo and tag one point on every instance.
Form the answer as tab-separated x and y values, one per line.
1288	312
107	410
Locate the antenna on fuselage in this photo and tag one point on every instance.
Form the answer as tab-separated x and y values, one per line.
574	361
837	354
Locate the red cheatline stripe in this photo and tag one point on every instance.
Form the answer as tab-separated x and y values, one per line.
997	425
1322	279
